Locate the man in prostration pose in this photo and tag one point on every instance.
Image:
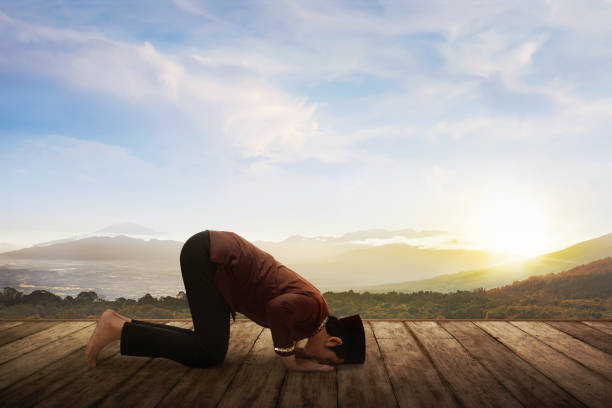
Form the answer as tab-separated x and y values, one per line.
224	273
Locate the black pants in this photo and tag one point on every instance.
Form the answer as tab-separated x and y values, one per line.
207	344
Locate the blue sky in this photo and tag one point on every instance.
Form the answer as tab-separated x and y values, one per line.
490	120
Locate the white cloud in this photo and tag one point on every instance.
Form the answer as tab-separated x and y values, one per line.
455	75
228	90
490	52
256	117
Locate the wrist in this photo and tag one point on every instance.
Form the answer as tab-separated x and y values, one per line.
285	351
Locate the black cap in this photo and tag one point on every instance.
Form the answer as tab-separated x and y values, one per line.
353	339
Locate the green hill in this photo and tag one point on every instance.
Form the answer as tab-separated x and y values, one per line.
589	281
492	277
582	292
392	262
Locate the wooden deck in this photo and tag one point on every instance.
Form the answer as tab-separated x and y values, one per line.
409	363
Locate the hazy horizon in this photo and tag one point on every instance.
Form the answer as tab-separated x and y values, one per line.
437	240
128	267
490	121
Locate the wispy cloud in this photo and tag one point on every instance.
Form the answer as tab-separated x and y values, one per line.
397	110
255	117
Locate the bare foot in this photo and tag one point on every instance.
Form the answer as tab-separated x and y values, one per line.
108	329
127	319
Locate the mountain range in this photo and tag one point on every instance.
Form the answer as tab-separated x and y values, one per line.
332	263
125	228
375	260
101	248
297	248
495	276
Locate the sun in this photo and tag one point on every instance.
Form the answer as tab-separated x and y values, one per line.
512	224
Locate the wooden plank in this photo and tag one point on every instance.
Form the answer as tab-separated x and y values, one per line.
309	389
470	381
44	382
149	385
16	369
415	380
39	339
588	387
589	356
605	327
94	384
22	330
366	384
7	325
204	387
585	333
526	383
260	378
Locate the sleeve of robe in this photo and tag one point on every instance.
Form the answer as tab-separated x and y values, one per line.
283	312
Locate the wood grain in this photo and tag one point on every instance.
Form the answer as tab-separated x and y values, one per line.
589	356
18	368
17	332
588	387
7	325
96	383
586	334
414	378
366	384
605	327
470	381
309	389
526	383
260	378
44	382
41	338
408	363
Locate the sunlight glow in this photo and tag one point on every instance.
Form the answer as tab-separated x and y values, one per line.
514	225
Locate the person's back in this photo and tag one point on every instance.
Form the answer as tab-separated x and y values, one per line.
255	284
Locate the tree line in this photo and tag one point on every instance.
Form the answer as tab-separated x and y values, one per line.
584	292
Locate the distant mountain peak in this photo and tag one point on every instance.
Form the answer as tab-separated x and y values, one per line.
372	233
294	238
382	233
127	228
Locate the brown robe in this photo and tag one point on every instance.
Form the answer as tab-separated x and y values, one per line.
266	291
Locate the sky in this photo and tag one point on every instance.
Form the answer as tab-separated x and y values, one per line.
487	119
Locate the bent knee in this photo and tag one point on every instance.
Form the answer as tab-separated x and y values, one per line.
216	360
208	360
